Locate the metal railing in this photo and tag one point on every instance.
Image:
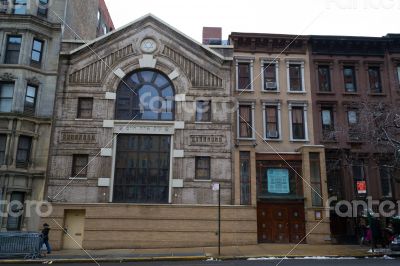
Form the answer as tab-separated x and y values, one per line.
20	244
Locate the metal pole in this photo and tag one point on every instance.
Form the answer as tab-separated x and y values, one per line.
219	221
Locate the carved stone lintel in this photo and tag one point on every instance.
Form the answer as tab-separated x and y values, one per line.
33	81
7	77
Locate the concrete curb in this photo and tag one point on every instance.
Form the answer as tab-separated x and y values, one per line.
178	258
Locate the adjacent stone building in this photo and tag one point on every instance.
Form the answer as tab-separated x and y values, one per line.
30	42
142	132
277	167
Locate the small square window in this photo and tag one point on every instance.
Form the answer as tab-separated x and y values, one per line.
79	165
203	171
85	108
203	111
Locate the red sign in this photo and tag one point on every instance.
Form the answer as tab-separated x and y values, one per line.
361	187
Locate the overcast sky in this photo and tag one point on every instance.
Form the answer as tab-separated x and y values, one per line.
329	17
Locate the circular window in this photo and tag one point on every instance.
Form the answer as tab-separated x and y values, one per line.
145	95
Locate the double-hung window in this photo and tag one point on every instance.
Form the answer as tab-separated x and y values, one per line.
246	121
203	168
23	151
374	77
298	119
272	121
3	144
328	125
295	76
30	99
349	77
6	97
270	76
43	8
37	51
324	78
13	49
244	75
20	7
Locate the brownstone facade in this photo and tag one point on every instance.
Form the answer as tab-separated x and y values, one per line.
350	76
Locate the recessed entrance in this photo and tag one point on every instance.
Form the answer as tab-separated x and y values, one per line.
142	168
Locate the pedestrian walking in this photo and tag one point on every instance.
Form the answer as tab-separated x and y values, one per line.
45	237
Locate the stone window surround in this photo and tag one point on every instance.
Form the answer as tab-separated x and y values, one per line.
172	126
278	105
349	63
300	62
26	44
267	61
381	66
304	105
328	63
326	105
248	103
249	60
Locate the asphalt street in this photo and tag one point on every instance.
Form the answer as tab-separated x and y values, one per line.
268	262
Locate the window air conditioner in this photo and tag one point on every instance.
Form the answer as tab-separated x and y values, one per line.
270	85
272	134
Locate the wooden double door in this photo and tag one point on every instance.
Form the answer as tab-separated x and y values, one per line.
280	222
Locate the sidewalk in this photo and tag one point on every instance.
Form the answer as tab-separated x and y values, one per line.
203	253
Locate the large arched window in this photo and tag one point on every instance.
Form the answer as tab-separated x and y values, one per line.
145	95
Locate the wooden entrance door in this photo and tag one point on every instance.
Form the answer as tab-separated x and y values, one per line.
74	226
280	222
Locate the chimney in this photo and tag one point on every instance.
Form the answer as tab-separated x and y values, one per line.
212	35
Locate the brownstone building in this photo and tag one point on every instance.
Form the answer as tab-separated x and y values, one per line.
355	81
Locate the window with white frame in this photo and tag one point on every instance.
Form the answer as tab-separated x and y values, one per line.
244	75
295	76
245	121
272	121
270	75
298	122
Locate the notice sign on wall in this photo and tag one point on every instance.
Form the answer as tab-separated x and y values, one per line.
361	187
278	181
